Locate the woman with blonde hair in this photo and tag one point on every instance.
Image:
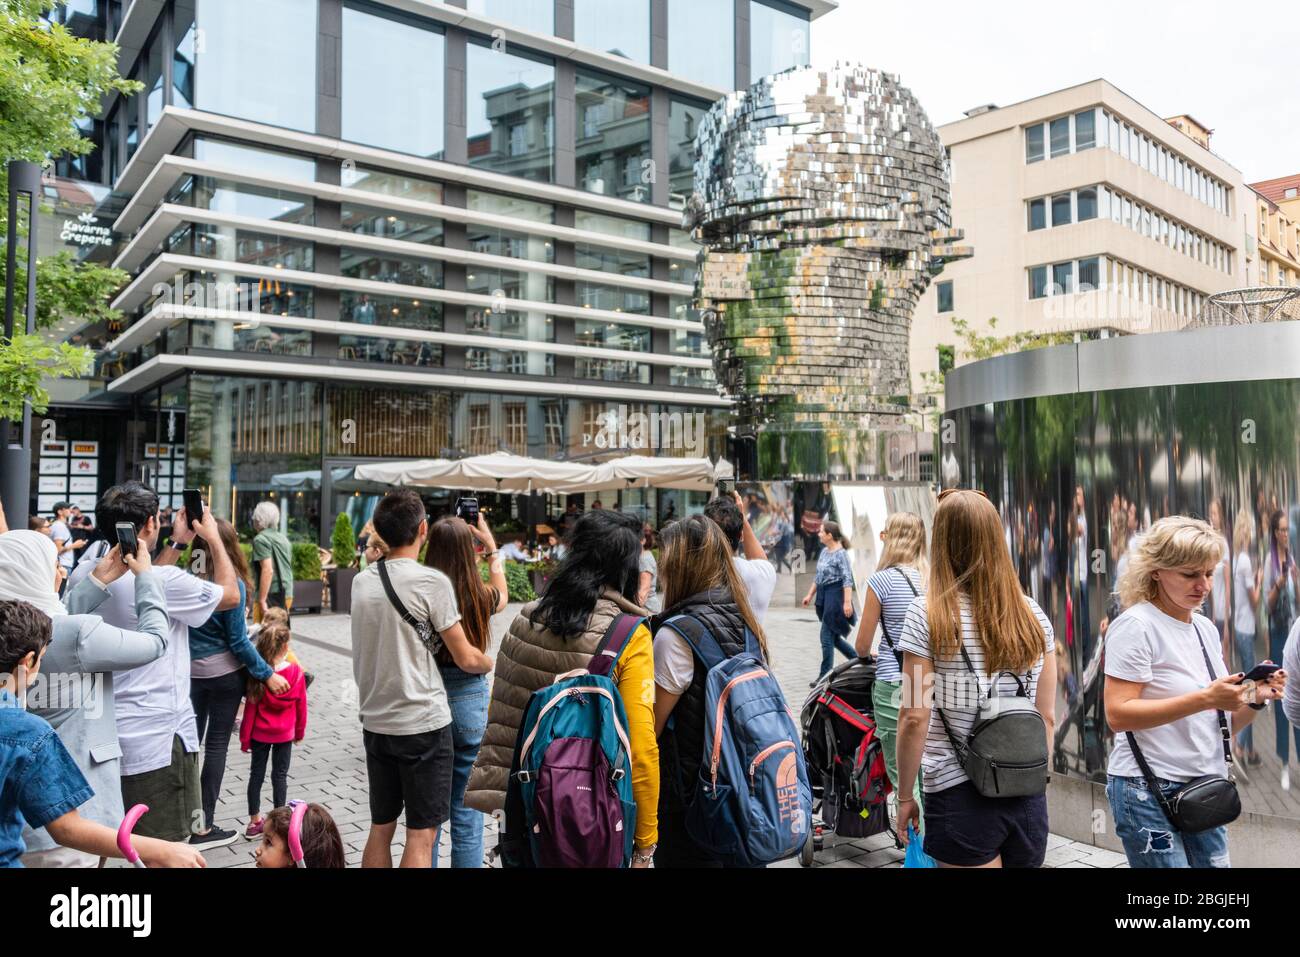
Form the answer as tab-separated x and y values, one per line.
899	579
1170	697
972	634
700	580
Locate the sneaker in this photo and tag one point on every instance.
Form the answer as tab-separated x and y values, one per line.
1253	759
255	829
217	837
1286	779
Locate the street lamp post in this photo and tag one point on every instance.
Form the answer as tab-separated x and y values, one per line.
15	437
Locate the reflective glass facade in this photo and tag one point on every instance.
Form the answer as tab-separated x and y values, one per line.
509	107
409	71
701	41
620	27
612	146
778	37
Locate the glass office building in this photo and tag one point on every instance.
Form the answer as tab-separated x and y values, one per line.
359	233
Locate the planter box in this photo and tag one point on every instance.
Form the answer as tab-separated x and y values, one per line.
308	596
540	581
341	589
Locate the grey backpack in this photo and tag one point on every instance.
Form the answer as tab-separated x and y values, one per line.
1005	754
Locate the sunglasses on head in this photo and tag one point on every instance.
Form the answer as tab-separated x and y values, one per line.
948	491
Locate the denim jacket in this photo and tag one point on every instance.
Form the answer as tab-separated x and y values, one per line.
227	631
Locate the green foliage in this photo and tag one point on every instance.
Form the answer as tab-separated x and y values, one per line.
306	562
49	80
343	542
27	360
519	584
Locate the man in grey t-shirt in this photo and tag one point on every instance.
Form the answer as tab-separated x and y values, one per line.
405	717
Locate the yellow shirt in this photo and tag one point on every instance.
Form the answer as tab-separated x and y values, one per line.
635	676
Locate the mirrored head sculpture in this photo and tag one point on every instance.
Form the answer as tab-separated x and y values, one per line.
822	203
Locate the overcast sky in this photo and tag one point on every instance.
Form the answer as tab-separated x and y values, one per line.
1232	66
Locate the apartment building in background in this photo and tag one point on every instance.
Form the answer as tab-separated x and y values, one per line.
1278	203
1088	214
376	229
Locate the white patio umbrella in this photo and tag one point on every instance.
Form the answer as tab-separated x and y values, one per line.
648	471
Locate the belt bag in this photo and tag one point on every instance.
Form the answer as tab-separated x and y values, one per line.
1005	754
1202	803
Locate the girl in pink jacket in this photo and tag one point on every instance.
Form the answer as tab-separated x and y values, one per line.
272	724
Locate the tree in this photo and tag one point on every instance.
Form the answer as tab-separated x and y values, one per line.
49	80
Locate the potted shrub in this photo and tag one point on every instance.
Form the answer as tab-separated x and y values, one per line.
344	547
308	588
540	573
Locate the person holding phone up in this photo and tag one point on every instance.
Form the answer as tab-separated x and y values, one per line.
1170	698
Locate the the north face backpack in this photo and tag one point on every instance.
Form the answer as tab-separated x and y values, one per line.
573	765
751	804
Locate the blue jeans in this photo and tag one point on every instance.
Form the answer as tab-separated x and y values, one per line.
1244	642
830	642
1277	633
1149	839
468	696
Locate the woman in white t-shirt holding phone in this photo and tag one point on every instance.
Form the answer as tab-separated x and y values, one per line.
1167	685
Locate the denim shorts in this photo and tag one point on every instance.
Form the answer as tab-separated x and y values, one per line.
1149	839
965	829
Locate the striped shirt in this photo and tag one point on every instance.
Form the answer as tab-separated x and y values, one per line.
955	689
895	598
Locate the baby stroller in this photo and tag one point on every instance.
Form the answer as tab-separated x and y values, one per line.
846	764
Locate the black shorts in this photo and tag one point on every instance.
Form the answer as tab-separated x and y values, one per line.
965	829
411	770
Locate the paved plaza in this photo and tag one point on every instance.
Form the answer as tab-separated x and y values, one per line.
329	766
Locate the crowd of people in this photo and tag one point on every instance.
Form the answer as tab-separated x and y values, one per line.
173	656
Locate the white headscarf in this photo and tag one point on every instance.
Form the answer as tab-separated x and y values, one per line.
27	561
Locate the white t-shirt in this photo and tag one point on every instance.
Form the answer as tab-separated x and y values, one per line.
1146	645
759	576
674	661
61	534
1243	610
955	689
153	701
399	685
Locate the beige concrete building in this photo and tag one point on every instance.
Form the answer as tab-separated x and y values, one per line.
1088	214
1278	229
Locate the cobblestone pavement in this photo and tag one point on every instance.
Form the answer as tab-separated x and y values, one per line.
329	766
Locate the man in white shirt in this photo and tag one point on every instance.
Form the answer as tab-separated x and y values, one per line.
63	541
156	730
754	569
515	551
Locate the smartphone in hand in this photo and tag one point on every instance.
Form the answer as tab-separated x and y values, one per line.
193	506
467	509
1262	672
126	540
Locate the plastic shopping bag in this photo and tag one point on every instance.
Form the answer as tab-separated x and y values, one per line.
916	856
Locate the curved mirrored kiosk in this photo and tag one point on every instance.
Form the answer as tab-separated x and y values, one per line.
1081	447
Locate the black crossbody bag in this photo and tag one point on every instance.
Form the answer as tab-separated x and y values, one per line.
1203	803
884	629
424	630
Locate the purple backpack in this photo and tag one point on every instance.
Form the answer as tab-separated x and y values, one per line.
574	764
